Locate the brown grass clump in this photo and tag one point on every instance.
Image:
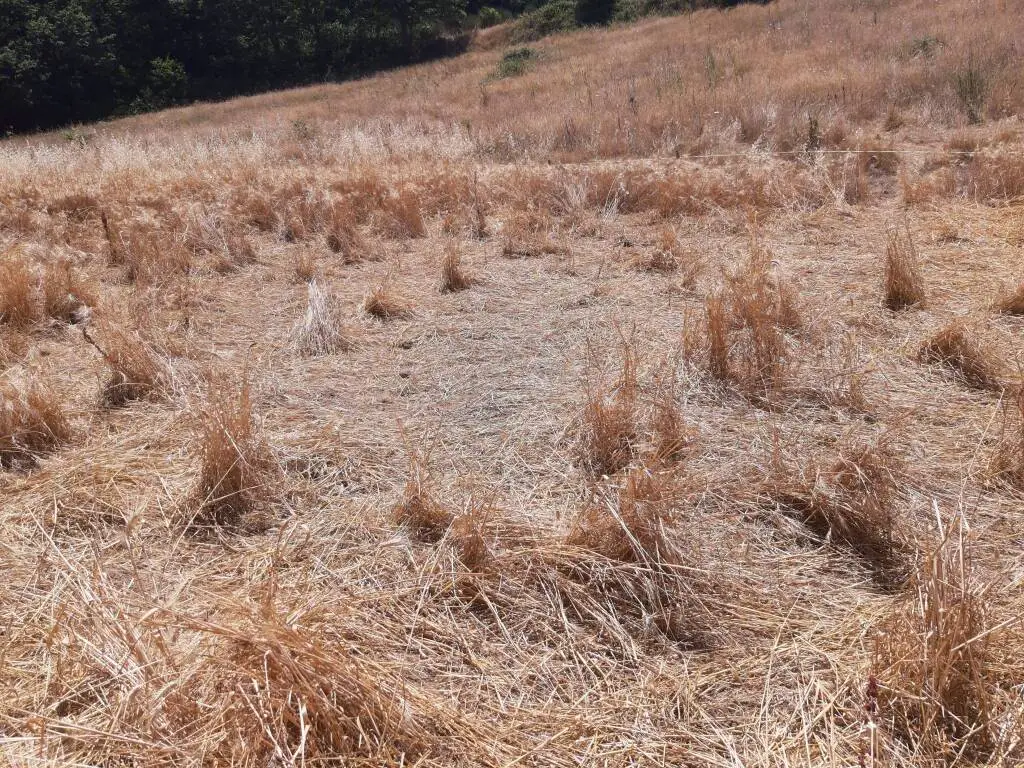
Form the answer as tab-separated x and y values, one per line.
418	511
718	336
852	503
342	236
400	216
32	424
629	525
1008	462
66	297
746	327
468	535
453	277
671	437
237	473
1012	303
937	659
136	370
292	687
304	267
957	348
78	206
608	430
904	286
19	294
322	330
384	304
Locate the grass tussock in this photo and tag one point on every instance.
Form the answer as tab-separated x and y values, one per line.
67	298
20	304
136	369
903	285
453	276
669	257
672	438
400	217
237	471
629	525
746	326
292	688
1008	462
938	661
1012	303
851	503
322	330
957	348
418	511
608	432
384	303
343	237
304	269
32	424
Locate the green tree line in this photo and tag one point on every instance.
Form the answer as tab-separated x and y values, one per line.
67	61
64	61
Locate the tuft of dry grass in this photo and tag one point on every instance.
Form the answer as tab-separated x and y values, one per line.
746	327
672	438
343	237
237	471
851	503
468	531
608	431
1012	303
66	297
32	424
957	348
297	691
903	285
322	330
453	277
304	267
629	524
20	304
937	659
418	511
136	370
385	304
400	216
1008	462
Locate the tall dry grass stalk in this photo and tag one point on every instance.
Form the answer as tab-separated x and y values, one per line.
33	423
957	348
322	329
238	474
137	371
939	663
903	284
453	276
608	431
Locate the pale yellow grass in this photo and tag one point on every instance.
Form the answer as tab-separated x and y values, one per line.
621	539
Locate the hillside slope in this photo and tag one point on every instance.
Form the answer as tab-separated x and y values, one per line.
652	397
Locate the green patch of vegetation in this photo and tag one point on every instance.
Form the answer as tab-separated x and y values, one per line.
489	17
556	16
514	63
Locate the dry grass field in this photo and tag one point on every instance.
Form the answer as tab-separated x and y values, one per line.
660	405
